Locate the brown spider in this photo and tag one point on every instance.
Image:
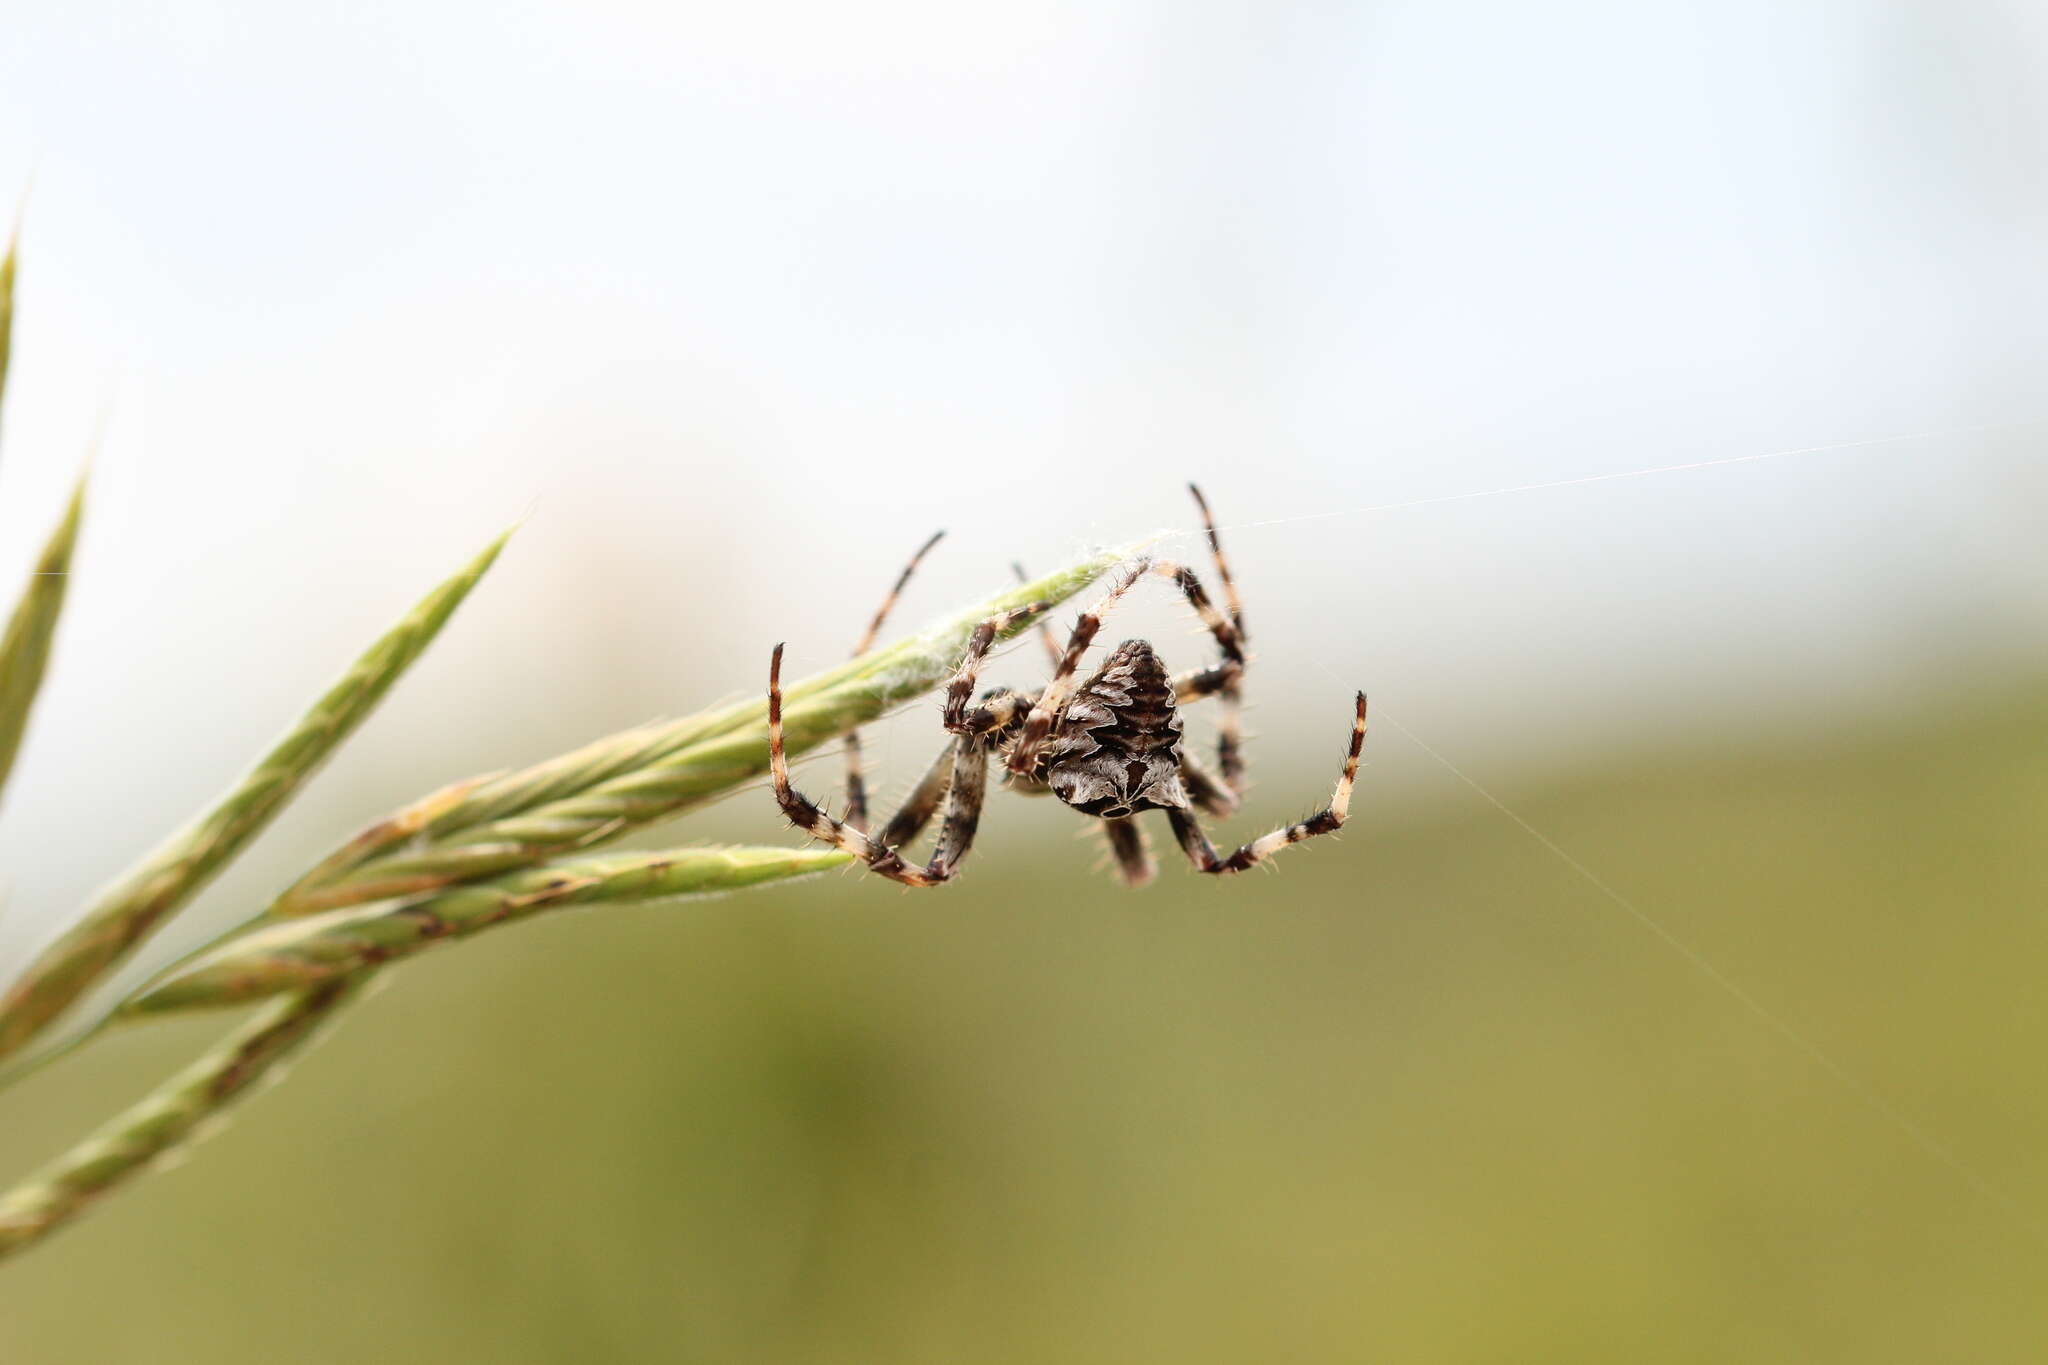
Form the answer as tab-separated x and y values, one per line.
1109	746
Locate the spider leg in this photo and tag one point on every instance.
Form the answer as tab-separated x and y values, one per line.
1223	679
807	815
804	812
960	690
1218	797
856	781
1133	856
1203	854
1207	791
1230	715
995	713
1220	681
922	803
964	784
963	814
1045	636
1222	564
966	788
1197	683
1227	638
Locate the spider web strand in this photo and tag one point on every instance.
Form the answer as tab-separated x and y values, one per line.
1546	484
1907	1127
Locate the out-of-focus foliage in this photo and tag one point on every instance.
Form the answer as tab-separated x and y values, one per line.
9	263
1420	1095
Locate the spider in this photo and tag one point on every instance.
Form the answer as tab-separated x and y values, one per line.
1108	745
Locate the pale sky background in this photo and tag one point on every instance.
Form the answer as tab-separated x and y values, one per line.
736	303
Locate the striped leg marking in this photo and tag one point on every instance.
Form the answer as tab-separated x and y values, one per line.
1203	854
1223	680
1222	565
1230	717
856	780
959	719
965	786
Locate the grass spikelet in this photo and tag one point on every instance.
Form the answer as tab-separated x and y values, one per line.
467	857
629	780
297	954
164	881
25	648
150	1131
472	855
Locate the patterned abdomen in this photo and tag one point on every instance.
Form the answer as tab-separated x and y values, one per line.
1119	751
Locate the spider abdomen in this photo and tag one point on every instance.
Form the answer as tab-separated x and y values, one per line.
1118	751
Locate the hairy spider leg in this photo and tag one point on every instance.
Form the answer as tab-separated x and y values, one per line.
1203	854
963	787
1045	635
1205	789
1230	595
996	713
856	780
1230	713
922	803
813	820
1128	846
960	690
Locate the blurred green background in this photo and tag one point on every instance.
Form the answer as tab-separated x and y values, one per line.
1422	1094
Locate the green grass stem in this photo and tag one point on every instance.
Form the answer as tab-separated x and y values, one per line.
167	879
629	780
293	955
463	859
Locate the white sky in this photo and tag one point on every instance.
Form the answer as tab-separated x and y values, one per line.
740	301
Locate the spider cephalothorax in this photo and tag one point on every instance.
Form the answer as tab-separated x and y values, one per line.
1108	745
